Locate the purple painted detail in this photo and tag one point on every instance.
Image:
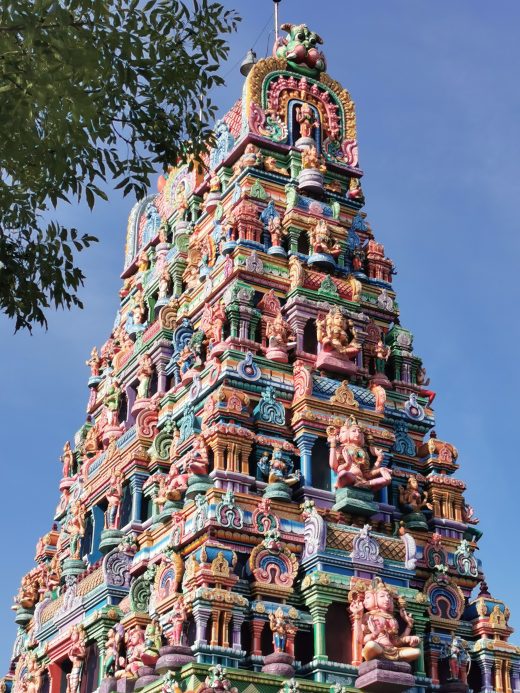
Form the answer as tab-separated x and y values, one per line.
384	676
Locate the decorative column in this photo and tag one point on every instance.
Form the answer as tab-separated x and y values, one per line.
201	614
136	487
319	614
516	676
486	666
55	674
305	443
499	676
238	619
257	626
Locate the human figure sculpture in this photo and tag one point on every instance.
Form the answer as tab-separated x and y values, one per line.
177	619
165	282
423	381
349	459
379	393
112	649
198	461
382	352
68	461
75	528
143	261
28	594
376	630
306	120
112	400
277	470
322	241
94	362
138	307
282	629
278	333
152	641
134	641
333	333
459	659
276	231
252	156
312	160
114	497
144	375
31	680
77	654
411	498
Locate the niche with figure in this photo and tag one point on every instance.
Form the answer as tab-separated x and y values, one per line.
304	122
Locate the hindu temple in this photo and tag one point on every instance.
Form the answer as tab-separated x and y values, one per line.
257	500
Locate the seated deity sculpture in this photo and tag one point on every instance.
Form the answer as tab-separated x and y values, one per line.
333	334
350	461
377	628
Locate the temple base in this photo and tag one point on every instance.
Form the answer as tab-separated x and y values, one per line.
279	664
147	675
197	484
332	361
110	538
384	676
415	521
355	501
173	657
278	491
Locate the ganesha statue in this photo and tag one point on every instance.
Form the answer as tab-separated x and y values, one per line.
356	479
375	628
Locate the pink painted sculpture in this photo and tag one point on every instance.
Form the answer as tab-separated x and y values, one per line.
114	497
333	333
350	461
376	629
177	619
77	654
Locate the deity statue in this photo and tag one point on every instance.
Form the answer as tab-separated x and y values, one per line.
111	401
114	497
68	460
180	204
322	241
143	262
412	500
306	119
28	594
77	653
134	641
252	156
276	469
31	679
276	231
282	629
382	352
333	333
165	283
94	362
296	272
423	381
198	461
91	442
152	642
278	333
213	320
138	307
144	375
177	619
113	644
163	232
460	659
75	528
350	461
376	629
312	160
379	393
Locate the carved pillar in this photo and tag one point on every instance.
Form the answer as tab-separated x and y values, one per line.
499	676
305	443
486	666
434	667
201	614
516	676
136	487
55	674
257	626
319	614
507	676
226	618
215	623
238	619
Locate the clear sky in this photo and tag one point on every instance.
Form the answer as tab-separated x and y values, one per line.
436	90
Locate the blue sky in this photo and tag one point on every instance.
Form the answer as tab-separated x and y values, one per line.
437	98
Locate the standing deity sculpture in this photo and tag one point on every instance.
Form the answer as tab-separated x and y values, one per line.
282	630
77	653
75	528
68	460
94	362
379	393
276	231
111	401
165	284
376	630
114	497
144	376
177	620
31	680
382	353
306	120
350	461
459	659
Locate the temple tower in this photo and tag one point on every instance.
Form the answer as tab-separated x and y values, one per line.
257	500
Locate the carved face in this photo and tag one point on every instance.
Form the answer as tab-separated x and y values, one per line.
379	599
352	434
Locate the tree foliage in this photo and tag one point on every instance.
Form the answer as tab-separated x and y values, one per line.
92	91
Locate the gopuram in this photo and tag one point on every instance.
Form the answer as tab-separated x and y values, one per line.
257	501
